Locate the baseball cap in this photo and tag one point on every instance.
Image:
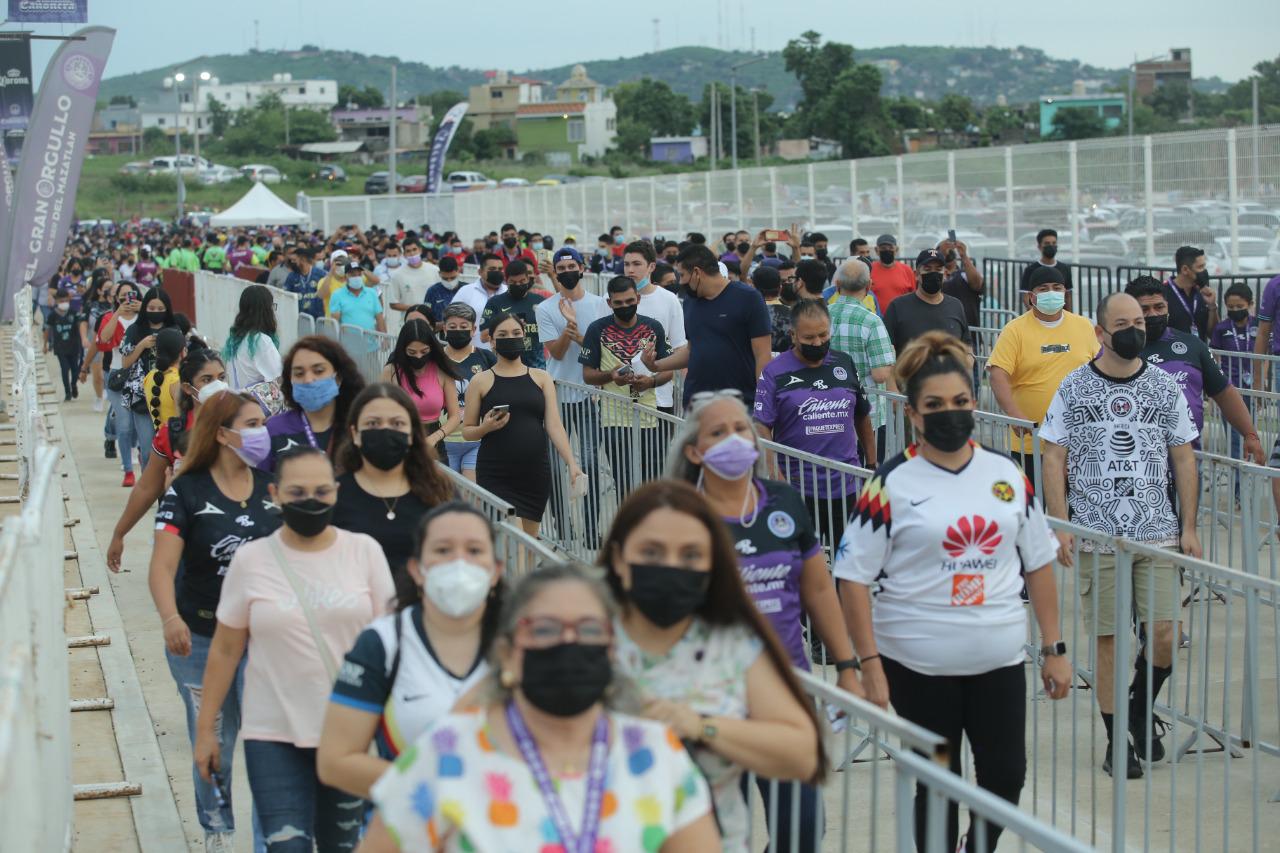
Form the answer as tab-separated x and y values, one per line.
1045	275
567	252
340	253
930	256
887	238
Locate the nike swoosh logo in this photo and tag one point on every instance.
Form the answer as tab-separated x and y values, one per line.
415	698
922	500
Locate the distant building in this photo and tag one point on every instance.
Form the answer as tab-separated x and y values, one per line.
494	104
116	129
813	148
373	127
581	121
1153	73
678	149
165	110
1110	106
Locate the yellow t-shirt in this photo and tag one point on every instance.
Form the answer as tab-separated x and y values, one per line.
326	288
1038	357
162	405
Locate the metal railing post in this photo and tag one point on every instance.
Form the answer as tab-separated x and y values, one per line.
1074	188
1149	199
1233	199
1008	200
1120	680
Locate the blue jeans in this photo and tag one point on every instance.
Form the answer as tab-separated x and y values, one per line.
298	813
124	434
808	813
145	431
462	454
188	674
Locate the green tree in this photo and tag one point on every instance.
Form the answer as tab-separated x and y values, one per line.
365	98
219	117
841	99
817	67
956	113
489	144
1000	123
1078	123
650	108
154	141
260	129
907	113
771	124
1170	101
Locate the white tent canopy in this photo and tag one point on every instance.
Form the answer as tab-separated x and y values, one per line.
259	206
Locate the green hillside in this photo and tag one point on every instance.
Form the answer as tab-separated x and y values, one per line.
1020	74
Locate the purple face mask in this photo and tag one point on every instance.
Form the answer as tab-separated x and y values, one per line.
255	445
732	458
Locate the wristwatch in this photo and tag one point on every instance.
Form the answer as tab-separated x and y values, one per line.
709	730
1058	649
851	663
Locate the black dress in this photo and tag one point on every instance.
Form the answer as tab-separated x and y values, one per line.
512	462
360	512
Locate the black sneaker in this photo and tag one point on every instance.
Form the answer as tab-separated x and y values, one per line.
1158	729
1134	770
109	449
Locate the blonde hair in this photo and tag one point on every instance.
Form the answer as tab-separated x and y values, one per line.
931	354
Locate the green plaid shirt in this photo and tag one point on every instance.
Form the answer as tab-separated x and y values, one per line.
862	335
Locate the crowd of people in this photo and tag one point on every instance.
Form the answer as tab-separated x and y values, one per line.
327	600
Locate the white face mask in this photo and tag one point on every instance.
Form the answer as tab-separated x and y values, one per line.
451	285
64	306
391	263
215	387
457	587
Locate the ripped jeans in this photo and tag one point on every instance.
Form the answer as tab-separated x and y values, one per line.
297	812
188	674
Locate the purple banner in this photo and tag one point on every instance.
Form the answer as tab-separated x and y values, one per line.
49	172
49	11
440	145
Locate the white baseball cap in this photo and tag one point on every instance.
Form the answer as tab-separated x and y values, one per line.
339	253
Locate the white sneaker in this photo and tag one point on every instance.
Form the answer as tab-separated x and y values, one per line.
220	842
97	404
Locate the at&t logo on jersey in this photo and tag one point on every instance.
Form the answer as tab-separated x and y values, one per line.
970	543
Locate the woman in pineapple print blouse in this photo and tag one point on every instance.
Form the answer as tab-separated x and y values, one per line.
550	765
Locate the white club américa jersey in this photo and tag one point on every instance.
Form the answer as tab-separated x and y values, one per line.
946	548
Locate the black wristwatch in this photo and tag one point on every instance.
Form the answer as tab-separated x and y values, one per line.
851	663
1058	649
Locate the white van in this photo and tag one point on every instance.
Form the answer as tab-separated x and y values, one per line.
461	182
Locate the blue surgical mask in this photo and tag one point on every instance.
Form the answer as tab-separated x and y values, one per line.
1050	302
313	396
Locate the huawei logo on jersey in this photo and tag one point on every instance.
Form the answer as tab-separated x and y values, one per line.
972	532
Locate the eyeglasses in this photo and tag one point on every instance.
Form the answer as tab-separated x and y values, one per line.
708	396
541	632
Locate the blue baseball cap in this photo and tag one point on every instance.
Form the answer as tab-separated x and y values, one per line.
567	252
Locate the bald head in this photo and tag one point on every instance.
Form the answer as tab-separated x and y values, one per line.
1117	310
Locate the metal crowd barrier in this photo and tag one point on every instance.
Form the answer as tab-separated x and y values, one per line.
35	722
218	300
494	507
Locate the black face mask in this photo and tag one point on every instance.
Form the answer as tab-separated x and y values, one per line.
1127	343
1049	251
569	280
815	352
886	257
457	338
494	278
788	291
509	348
1237	315
307	517
948	430
743	249
518	291
417	362
1202	278
667	594
821	253
384	448
567	679
1156	326
626	313
931	282
509	242
155	318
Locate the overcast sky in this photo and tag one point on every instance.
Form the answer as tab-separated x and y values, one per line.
1226	37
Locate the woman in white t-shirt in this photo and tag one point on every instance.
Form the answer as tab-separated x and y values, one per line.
408	668
945	528
252	351
296	600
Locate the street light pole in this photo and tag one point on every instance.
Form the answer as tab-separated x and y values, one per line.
755	108
733	102
177	139
195	96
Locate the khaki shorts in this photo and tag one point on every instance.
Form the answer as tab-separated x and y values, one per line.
1155	591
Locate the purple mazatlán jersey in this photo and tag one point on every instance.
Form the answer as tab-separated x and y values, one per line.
771	554
814	409
1186	358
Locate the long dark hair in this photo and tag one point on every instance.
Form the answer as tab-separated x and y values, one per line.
418	332
425	480
350	381
168	350
157	293
197	359
257	314
727	601
408	593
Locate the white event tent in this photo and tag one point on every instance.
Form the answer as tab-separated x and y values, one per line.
259	206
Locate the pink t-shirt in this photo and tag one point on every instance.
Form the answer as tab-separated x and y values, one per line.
429	398
286	685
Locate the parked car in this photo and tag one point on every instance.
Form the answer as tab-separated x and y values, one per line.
513	182
462	182
376	184
187	163
330	173
262	172
412	184
1253	256
137	167
219	175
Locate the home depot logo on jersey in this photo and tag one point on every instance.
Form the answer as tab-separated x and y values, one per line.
966	590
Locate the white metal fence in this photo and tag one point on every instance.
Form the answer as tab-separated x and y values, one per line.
218	300
35	727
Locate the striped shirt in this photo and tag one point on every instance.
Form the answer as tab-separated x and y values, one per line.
861	334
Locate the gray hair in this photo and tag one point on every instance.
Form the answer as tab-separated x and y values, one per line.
853	275
678	465
622	694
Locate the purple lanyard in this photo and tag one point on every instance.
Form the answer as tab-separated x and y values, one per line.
311	436
1235	339
1189	307
586	842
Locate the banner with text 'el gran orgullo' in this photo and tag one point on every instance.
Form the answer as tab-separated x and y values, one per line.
52	154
